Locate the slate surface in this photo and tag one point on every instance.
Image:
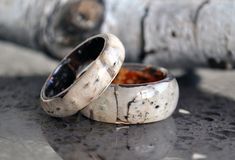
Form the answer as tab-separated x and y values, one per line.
202	127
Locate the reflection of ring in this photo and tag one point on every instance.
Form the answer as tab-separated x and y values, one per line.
82	75
136	103
89	140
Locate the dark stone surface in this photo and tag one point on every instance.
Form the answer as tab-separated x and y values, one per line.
205	130
209	129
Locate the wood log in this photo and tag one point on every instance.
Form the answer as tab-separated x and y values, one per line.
193	34
54	26
167	33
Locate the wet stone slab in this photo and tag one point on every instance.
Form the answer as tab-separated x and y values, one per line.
202	127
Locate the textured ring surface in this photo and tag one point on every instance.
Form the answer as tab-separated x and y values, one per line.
82	75
136	103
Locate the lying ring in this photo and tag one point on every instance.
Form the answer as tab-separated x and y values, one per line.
136	103
83	75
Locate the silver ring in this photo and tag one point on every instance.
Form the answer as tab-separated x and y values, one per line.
136	103
83	75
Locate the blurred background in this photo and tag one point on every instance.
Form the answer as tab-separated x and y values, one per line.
193	38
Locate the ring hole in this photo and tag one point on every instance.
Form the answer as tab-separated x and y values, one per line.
73	66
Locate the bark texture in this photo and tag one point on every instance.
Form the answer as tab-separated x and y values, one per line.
168	33
54	26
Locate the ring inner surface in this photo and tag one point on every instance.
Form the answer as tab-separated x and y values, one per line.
131	74
73	66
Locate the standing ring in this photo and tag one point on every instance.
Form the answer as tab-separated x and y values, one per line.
83	75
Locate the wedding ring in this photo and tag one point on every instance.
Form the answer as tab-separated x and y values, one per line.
83	75
136	103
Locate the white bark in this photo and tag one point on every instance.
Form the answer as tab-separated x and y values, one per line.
183	33
21	21
175	33
191	33
54	26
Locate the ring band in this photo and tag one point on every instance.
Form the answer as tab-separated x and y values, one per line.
136	103
83	75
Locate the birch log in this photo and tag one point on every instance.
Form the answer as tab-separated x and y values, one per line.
54	26
183	33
